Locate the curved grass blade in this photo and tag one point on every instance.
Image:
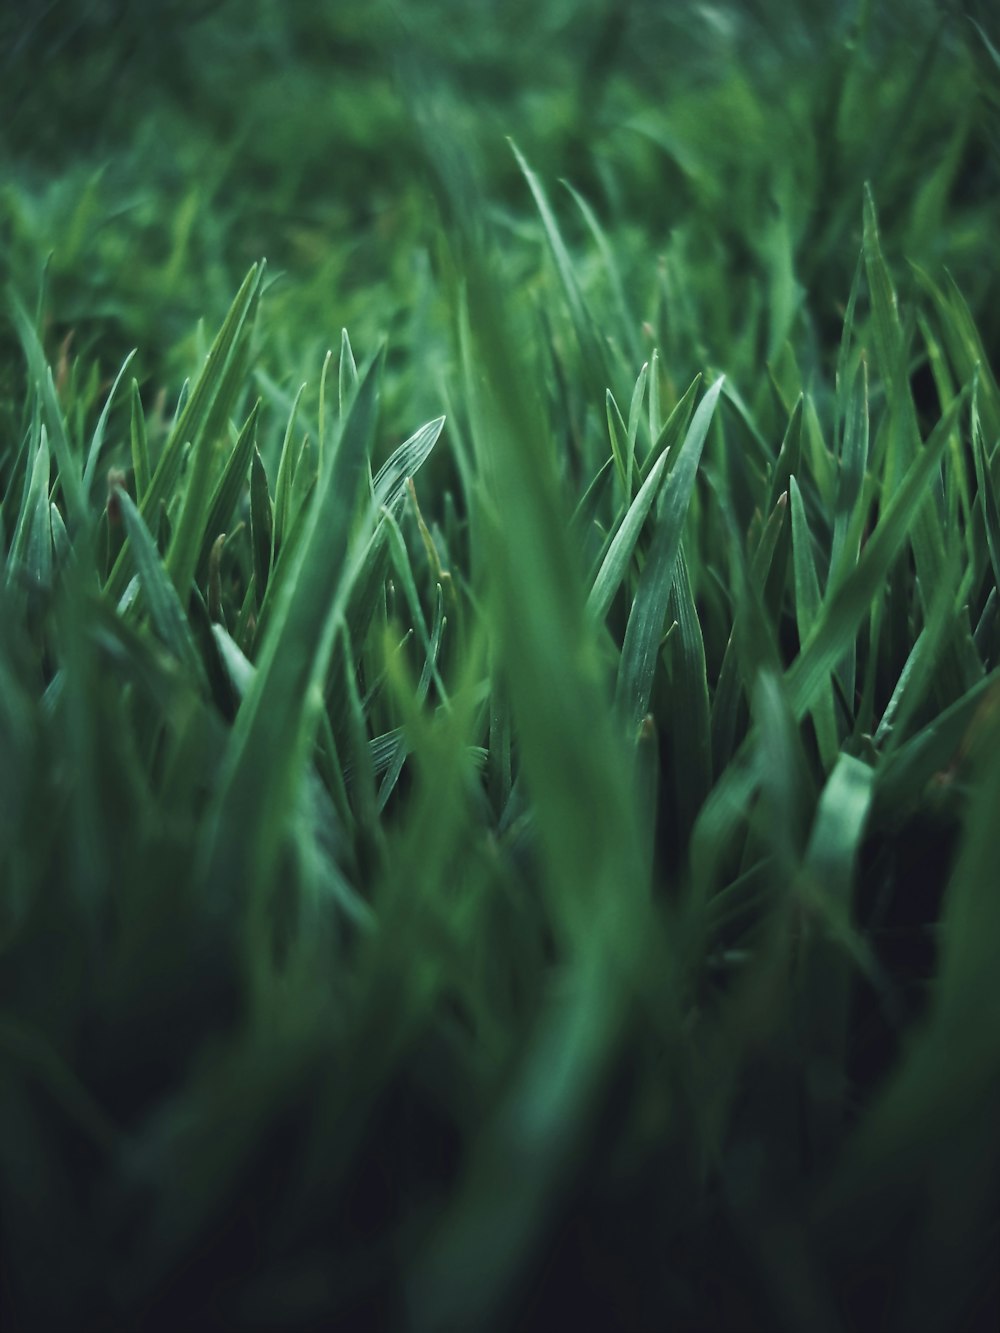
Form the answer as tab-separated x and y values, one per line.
97	439
918	671
286	470
618	434
159	593
204	414
729	696
627	323
616	561
347	375
807	603
830	956
583	324
404	463
40	373
31	547
261	527
844	610
228	489
841	615
987	493
395	766
262	765
645	624
673	428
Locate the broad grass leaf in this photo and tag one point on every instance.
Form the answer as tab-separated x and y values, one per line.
389	486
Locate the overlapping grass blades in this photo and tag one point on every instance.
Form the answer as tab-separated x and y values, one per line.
374	899
275	724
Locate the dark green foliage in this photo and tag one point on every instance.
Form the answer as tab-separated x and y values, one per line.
533	869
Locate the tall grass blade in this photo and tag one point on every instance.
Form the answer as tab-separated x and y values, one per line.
645	625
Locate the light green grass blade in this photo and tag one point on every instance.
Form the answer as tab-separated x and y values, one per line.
266	750
833	952
615	565
321	419
400	558
839	620
851	601
395	765
965	349
634	416
97	439
932	1129
785	786
886	325
837	832
205	420
922	662
31	546
789	460
286	471
40	375
347	374
202	417
618	434
62	548
640	650
673	428
655	411
389	486
239	667
162	602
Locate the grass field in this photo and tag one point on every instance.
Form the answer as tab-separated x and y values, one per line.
499	642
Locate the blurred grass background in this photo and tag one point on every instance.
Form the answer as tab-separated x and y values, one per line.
355	985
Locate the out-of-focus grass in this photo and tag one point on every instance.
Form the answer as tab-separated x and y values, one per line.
500	837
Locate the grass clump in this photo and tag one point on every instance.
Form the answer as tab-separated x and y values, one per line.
496	820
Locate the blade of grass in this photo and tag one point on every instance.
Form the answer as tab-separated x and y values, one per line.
275	723
583	324
140	446
159	593
616	562
204	413
40	375
97	439
645	624
691	718
228	489
261	526
389	486
807	604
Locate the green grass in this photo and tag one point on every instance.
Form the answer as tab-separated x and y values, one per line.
497	805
